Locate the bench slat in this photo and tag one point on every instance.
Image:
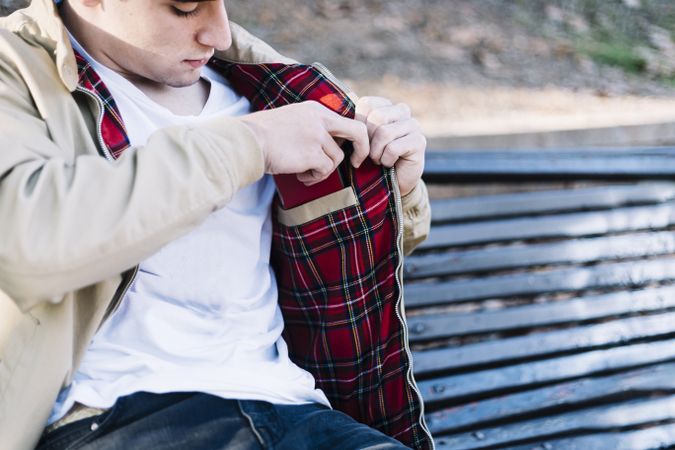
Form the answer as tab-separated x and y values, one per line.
533	374
493	206
574	251
439	325
488	154
659	437
543	343
600	418
549	165
555	226
623	274
563	395
478	383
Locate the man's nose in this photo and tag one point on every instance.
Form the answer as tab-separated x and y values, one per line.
215	31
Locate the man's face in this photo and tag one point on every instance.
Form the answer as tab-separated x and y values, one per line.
157	41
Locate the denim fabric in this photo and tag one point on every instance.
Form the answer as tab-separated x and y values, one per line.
202	421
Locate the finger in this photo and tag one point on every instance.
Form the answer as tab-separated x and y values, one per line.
386	134
366	105
333	151
385	115
352	130
321	170
389	114
311	177
406	147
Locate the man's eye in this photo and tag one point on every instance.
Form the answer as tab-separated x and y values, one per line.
186	10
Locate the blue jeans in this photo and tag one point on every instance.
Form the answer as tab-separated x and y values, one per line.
201	421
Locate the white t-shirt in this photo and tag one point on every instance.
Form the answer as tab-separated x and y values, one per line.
202	314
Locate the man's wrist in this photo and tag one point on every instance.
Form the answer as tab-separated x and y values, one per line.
413	195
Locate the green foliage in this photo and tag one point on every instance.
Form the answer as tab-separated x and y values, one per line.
616	53
616	32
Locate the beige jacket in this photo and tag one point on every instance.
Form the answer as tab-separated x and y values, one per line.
72	223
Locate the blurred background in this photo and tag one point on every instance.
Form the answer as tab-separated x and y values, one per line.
541	308
485	73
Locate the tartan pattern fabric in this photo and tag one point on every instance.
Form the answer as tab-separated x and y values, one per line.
337	274
111	127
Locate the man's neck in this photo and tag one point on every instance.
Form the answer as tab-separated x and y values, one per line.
182	101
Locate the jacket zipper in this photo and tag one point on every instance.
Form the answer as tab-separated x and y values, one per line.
120	293
399	269
117	298
400	313
333	79
99	122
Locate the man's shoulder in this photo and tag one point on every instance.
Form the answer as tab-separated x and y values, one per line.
21	32
13	44
15	24
9	36
14	53
21	60
247	48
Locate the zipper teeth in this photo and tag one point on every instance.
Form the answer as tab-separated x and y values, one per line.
399	305
99	123
328	74
399	269
115	302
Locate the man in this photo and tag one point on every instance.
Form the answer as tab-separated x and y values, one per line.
147	286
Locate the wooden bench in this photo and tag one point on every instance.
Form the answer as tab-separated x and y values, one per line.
546	319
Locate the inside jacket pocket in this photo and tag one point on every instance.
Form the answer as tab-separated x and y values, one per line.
322	206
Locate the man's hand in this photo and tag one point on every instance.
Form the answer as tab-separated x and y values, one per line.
396	139
300	139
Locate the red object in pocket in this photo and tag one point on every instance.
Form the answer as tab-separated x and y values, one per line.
293	193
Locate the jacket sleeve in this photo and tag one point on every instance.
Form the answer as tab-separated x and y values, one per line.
416	217
70	221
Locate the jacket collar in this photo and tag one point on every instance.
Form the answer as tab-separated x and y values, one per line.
41	24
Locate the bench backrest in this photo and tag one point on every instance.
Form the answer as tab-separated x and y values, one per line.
547	318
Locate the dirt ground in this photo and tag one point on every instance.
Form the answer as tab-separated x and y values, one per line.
473	67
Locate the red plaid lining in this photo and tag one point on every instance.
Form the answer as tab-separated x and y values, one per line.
336	274
112	127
